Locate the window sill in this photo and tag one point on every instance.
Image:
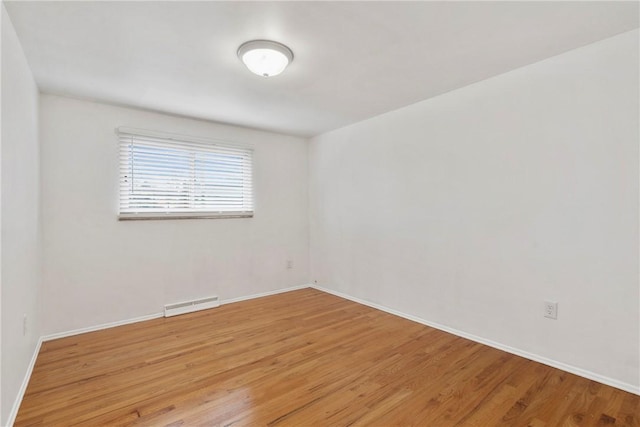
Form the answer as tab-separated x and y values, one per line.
182	215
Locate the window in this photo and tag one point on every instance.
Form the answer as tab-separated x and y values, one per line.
170	176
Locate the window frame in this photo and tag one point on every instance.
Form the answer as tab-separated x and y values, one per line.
177	139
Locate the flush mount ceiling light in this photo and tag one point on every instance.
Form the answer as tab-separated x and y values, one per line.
264	57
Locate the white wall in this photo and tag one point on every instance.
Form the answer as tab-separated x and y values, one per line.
471	208
98	269
20	258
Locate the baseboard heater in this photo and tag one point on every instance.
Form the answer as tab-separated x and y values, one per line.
190	306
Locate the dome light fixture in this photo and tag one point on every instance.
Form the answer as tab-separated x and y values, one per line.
265	57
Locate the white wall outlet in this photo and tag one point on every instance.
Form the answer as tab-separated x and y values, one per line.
24	325
551	309
289	265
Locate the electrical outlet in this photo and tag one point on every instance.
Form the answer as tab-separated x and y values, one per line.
289	265
24	325
551	309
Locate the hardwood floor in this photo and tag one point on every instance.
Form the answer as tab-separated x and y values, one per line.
300	359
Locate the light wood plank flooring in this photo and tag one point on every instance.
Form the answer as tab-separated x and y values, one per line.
303	358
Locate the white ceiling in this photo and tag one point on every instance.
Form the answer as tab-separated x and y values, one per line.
353	60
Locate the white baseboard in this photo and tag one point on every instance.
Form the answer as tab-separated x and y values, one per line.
25	382
159	314
263	294
100	327
531	356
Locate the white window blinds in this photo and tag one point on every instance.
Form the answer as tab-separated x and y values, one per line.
168	176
